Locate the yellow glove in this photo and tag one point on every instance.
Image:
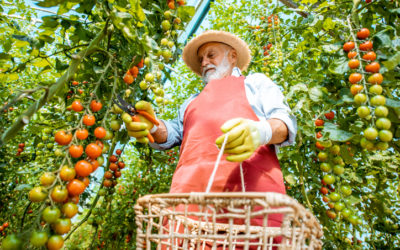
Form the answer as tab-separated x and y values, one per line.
244	137
140	126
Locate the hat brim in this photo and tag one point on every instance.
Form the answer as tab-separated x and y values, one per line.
190	56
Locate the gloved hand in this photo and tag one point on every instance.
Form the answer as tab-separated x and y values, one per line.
244	137
142	126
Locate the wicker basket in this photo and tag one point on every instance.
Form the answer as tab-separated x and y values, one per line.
224	221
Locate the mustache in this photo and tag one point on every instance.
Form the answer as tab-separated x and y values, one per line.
210	66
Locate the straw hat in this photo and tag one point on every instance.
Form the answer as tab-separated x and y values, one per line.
190	51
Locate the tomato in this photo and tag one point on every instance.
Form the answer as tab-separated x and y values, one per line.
5	225
95	164
113	158
74	199
365	46
331	205
115	125
67	173
355	89
369	56
93	150
325	199
373	67
370	133
364	143
11	242
376	89
322	156
319	122
75	151
319	134
339	206
382	145
21	145
95	105
121	165
378	100
352	54
355	78
383	123
338	169
319	145
69	209
51	214
325	167
89	120
331	214
353	219
128	78
81	134
62	226
376	78
348	46
140	64
134	71
86	181
109	135
346	190
354	63
100	132
47	179
329	179
107	183
346	213
62	138
385	135
363	33
108	175
117	174
76	187
360	98
77	106
330	115
55	242
38	239
118	151
381	111
37	194
59	194
83	168
324	190
113	166
363	111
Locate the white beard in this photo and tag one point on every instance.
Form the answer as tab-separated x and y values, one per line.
218	72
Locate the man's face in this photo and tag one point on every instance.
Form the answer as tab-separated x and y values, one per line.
217	60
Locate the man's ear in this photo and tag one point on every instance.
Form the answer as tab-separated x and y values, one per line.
233	57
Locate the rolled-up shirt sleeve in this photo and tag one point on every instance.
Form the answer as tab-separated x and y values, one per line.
174	129
271	104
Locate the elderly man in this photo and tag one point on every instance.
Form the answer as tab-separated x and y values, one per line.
249	110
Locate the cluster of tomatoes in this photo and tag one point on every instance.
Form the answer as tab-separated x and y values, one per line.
371	102
3	227
332	165
133	72
171	3
114	170
172	156
21	147
74	89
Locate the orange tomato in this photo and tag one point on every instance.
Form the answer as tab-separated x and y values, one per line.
89	120
93	150
83	168
81	134
95	105
354	63
63	138
348	46
355	78
76	151
76	187
100	132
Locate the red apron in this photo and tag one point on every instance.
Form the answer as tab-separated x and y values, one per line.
220	101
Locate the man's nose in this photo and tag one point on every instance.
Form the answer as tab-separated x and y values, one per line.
204	62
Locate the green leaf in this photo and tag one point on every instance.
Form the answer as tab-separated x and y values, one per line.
336	134
13	77
185	13
315	94
48	3
22	187
137	10
392	103
328	24
20	44
382	39
5	56
339	67
393	61
290	179
352	200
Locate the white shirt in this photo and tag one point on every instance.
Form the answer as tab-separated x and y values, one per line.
264	97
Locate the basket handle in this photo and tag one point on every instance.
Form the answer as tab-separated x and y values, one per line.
211	180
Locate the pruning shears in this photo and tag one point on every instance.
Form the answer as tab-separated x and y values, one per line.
130	109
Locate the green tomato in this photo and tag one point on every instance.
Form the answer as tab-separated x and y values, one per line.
37	194
368	145
147	61
325	167
143	85
382	145
322	156
339	206
149	77
346	213
11	242
329	179
51	214
370	133
378	100
346	190
363	111
109	135
334	196
353	219
360	98
383	123
167	54
167	14
338	169
381	111
385	135
38	239
115	125
335	150
338	160
164	42
166	25
100	160
171	44
376	89
58	152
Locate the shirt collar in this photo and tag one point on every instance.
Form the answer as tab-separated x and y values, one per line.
236	72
